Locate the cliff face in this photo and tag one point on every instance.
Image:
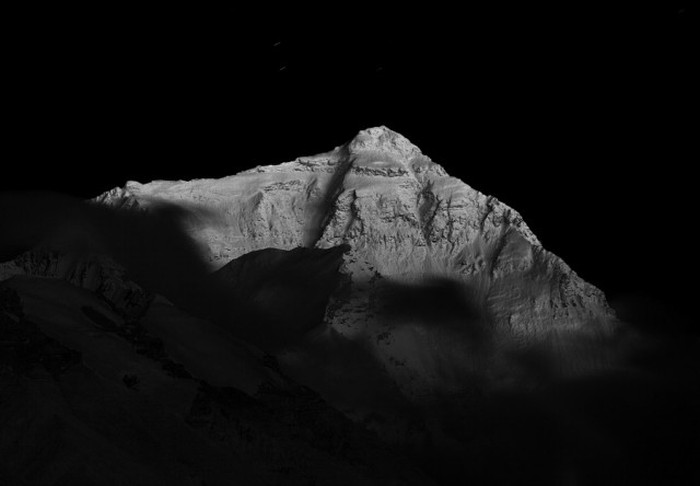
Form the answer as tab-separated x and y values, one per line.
439	283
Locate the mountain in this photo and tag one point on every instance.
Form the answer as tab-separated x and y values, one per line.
438	282
403	216
360	308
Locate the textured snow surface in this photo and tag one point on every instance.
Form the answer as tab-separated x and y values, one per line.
439	280
403	216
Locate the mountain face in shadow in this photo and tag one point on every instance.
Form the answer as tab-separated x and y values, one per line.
89	398
354	317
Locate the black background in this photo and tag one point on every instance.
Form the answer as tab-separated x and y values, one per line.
576	116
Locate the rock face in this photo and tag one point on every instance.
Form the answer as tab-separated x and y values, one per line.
440	281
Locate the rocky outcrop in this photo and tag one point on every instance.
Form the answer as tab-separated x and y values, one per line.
99	274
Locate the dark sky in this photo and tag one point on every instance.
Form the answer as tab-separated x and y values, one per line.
576	116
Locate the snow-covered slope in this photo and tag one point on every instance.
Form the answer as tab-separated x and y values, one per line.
439	281
400	212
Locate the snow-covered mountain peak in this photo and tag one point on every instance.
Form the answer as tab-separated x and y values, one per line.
380	151
382	139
